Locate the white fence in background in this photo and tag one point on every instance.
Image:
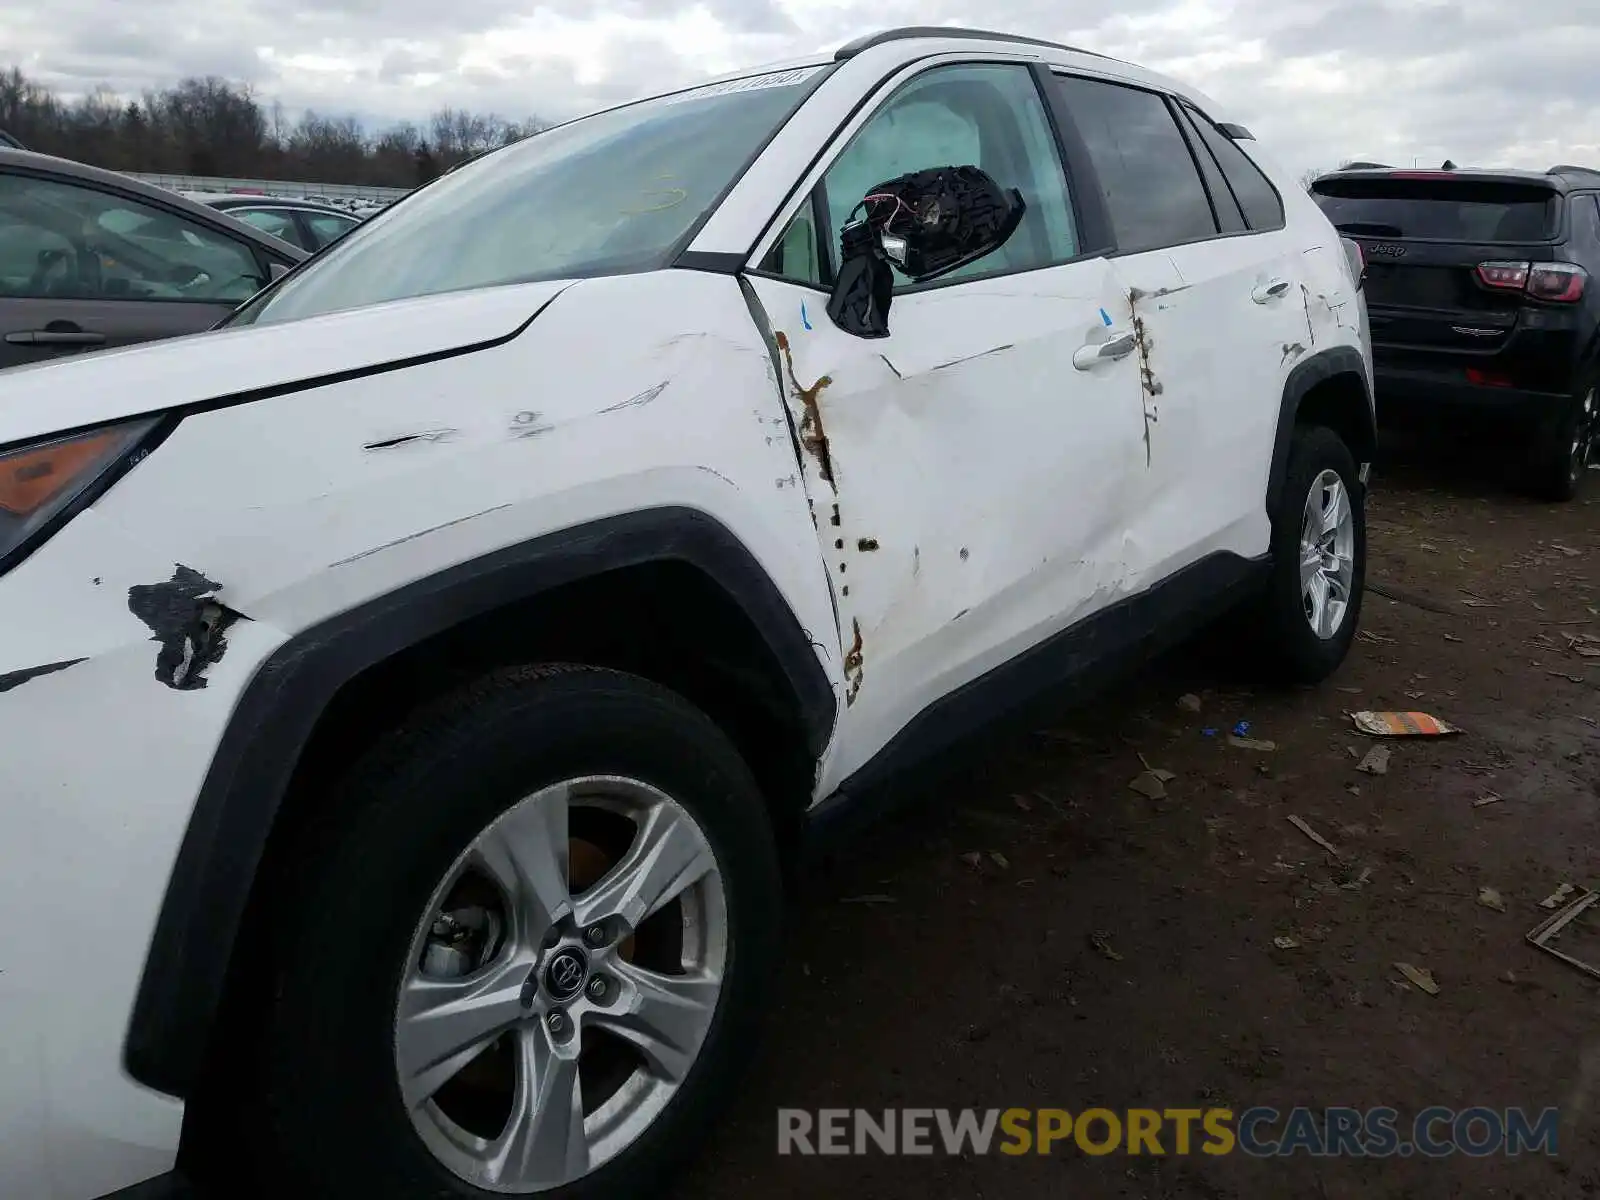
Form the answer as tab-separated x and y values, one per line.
273	187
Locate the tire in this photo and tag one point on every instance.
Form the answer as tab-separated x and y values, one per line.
1290	649
1561	454
332	1120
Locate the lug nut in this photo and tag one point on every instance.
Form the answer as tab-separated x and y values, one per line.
557	1023
595	935
597	988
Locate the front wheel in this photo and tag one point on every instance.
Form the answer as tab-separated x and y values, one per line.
526	955
1307	616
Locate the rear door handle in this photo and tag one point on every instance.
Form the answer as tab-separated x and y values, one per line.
1117	346
1267	292
55	337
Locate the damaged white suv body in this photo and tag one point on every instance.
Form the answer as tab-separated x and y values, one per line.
412	692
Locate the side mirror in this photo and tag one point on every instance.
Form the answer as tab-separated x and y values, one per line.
927	224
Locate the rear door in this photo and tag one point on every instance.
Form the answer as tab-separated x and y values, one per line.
82	268
1219	306
1424	235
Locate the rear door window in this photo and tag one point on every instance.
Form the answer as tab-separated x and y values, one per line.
1445	210
1151	185
276	221
326	228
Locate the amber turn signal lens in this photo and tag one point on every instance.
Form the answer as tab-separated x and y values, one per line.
31	478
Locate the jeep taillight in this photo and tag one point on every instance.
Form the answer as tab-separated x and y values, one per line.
1559	283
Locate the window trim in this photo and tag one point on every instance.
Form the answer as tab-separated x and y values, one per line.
1195	115
808	188
1197	147
1116	250
258	254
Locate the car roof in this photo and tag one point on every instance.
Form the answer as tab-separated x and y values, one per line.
29	160
906	44
242	199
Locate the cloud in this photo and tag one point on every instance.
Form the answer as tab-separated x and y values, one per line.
1472	80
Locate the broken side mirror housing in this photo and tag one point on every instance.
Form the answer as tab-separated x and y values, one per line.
927	224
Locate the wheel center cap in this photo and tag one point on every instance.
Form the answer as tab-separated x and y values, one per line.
564	974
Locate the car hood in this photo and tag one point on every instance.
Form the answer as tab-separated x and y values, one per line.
235	364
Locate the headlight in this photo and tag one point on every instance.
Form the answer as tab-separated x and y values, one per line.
44	484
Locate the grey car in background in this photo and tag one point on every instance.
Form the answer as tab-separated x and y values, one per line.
304	223
91	259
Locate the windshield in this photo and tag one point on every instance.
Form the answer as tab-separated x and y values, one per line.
1447	210
615	192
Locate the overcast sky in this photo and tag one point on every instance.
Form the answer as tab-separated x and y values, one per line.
1483	82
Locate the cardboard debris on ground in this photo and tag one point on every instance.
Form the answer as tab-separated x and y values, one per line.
1160	773
1490	898
1541	935
1245	743
1376	762
1487	799
1102	943
1558	897
1000	860
1313	835
1286	943
1189	702
1147	784
1419	976
1401	724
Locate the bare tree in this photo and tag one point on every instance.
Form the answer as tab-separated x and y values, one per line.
211	126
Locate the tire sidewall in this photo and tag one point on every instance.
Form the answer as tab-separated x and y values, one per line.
1303	656
413	808
1553	478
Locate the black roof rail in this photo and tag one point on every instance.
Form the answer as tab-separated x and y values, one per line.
868	40
1365	166
1570	169
1235	132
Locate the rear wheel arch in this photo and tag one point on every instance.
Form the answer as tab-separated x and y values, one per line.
387	650
1330	389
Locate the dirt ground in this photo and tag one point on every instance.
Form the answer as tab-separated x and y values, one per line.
982	985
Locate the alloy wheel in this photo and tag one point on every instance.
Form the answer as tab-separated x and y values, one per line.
560	984
1327	554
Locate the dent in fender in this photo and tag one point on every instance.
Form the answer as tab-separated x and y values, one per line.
190	953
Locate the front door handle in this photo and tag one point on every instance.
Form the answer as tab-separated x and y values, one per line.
1117	346
55	337
1265	293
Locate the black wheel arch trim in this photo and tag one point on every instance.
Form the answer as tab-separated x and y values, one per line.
191	952
1310	371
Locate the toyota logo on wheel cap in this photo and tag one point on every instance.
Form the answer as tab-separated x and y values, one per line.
564	975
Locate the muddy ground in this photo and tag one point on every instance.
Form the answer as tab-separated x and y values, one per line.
983	986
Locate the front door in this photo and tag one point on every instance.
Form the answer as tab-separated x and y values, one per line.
971	473
84	269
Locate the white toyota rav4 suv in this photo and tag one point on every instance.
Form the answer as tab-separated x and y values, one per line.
413	692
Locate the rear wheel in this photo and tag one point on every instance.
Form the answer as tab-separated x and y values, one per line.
1561	455
1306	618
526	956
